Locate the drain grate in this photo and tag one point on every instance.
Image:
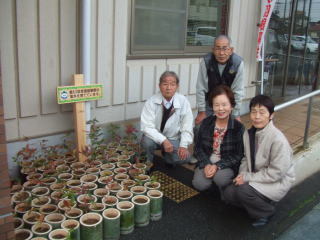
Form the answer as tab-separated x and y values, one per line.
174	189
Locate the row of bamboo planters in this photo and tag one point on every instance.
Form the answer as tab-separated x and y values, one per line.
101	199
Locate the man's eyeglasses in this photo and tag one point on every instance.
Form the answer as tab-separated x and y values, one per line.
221	49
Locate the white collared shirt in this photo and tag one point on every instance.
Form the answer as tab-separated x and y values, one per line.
167	104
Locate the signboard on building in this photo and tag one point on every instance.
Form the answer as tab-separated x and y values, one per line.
72	94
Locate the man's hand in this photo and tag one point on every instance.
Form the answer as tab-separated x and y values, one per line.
238	180
183	153
167	146
210	170
200	117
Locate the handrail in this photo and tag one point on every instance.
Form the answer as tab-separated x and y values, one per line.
299	99
296	100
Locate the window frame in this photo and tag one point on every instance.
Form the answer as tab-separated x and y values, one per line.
188	51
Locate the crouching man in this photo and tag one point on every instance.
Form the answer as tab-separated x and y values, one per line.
167	122
266	172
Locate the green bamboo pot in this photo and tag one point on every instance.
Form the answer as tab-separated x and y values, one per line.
156	199
41	229
141	210
91	226
55	219
26	233
110	201
124	195
59	234
111	224
126	209
73	227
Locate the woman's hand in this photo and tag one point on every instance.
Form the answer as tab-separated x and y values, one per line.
210	170
238	180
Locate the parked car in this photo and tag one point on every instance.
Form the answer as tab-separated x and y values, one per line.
204	36
298	43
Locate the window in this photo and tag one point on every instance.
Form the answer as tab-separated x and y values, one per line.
176	26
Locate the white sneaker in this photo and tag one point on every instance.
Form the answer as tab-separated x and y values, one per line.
193	160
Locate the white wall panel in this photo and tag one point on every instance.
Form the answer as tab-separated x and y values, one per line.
49	54
134	83
120	50
28	57
133	110
184	78
160	68
68	44
193	77
7	59
148	81
105	22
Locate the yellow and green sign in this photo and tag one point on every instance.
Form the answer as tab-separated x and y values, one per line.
72	94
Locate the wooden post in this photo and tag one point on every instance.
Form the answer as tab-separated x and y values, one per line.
79	121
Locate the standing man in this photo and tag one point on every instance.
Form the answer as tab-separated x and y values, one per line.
167	122
222	66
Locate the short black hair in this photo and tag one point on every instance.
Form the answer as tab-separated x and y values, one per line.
222	90
262	100
168	74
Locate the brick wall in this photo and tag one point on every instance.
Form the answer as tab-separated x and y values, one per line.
6	219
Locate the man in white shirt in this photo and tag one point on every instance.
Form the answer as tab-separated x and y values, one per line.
167	122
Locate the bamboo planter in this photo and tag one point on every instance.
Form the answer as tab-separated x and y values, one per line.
91	226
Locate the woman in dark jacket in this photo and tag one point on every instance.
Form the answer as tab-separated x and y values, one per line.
219	146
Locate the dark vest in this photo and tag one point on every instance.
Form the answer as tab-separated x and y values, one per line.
228	75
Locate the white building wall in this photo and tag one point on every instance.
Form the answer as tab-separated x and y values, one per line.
39	47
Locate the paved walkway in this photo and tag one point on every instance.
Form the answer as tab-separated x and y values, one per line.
308	227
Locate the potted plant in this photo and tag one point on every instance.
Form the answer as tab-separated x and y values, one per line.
93	171
21	208
107	166
155	204
40	191
66	204
153	184
89	178
73	213
126	209
73	226
18	223
121	176
91	226
114	187
97	207
55	219
138	190
78	173
86	198
30	218
41	229
47	181
65	176
111	223
23	234
141	210
103	181
100	193
59	234
58	186
128	183
40	201
110	201
124	195
21	196
74	183
120	170
48	208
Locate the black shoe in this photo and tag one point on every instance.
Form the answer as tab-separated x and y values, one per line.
260	222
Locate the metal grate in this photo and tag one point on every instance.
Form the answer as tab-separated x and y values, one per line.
174	189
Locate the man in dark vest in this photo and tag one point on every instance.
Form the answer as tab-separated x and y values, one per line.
222	66
167	122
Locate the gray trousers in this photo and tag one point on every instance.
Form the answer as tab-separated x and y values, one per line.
172	158
245	196
222	179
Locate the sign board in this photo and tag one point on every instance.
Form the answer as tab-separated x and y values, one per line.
72	94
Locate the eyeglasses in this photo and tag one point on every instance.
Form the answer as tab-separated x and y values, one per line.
221	49
254	112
